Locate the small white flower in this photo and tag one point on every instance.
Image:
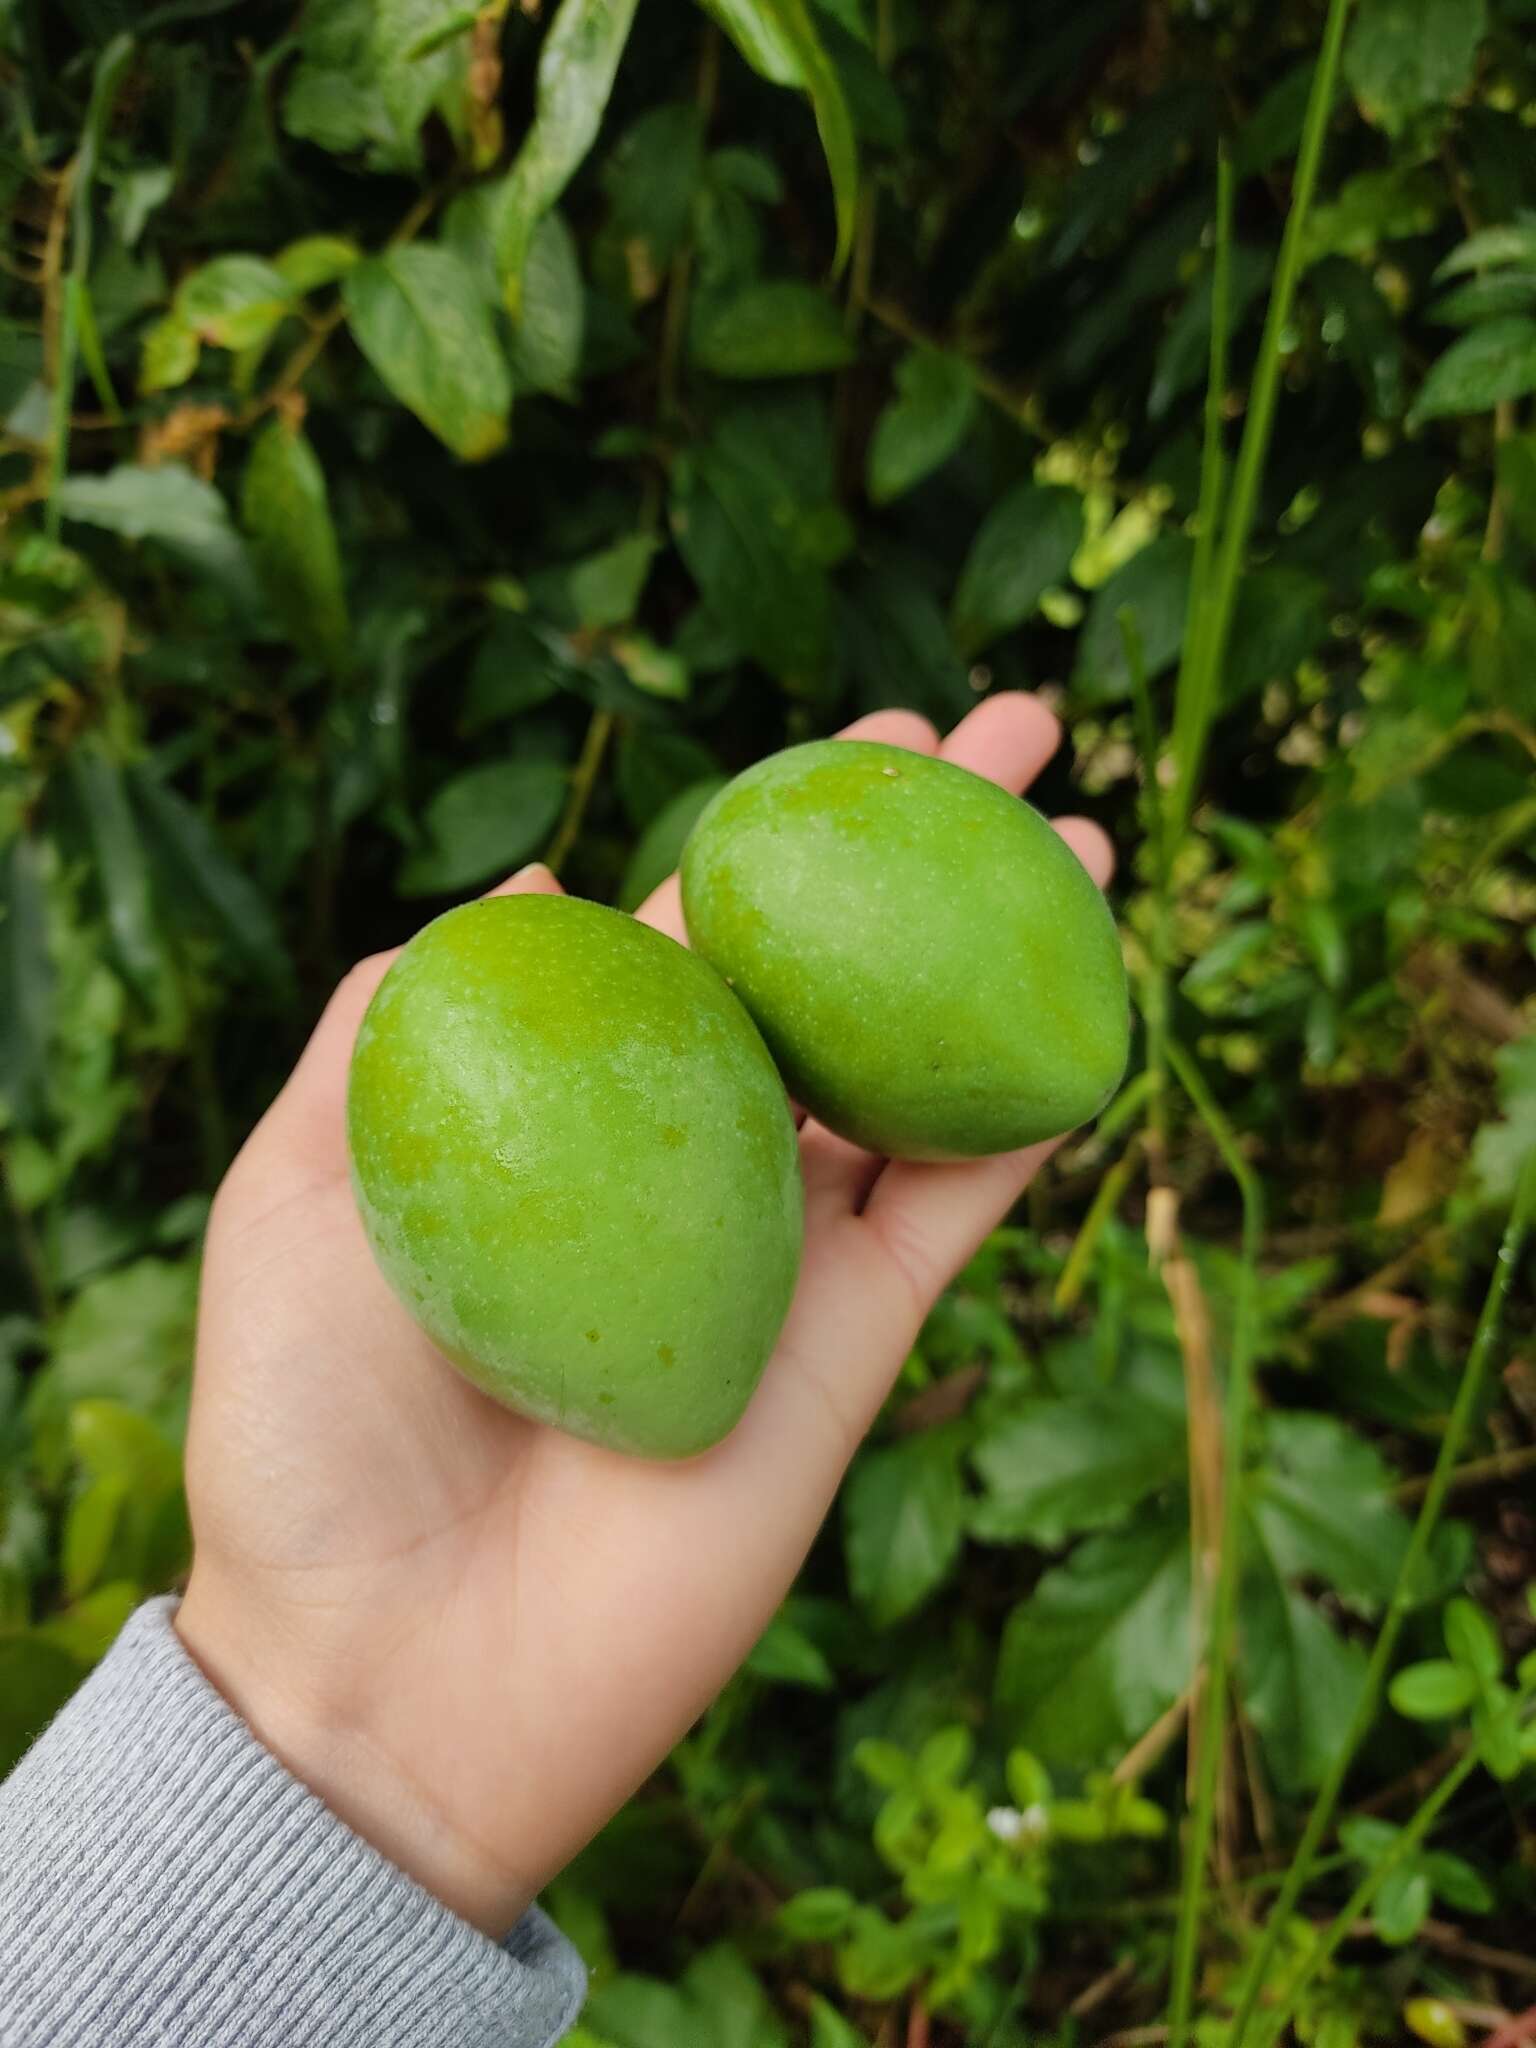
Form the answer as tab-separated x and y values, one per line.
1006	1822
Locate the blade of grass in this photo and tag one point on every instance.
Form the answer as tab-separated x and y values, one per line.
1463	1408
1199	687
1213	465
1223	1621
110	66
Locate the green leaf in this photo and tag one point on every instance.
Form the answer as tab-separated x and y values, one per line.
1486	298
233	302
604	590
773	328
91	1530
654	765
731	2008
1405	58
660	846
1055	1466
899	647
577	63
637	2012
287	514
1358	322
651	178
122	869
658	671
168	356
820	1914
513	671
1154	587
1184	355
27	980
1025	545
419	319
1300	1679
186	851
1457	1882
830	2030
1434	1691
903	1522
484	822
923	424
1492	363
780	41
86	1629
1500	1149
171	506
1323	1501
1473	1640
786	1655
316	260
1101	1646
546	343
1512	242
1402	1904
369	75
125	1337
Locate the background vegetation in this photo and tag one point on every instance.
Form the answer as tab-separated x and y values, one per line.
438	434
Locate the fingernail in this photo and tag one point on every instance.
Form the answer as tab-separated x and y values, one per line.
536	870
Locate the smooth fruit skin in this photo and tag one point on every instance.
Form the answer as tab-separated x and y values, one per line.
577	1168
932	967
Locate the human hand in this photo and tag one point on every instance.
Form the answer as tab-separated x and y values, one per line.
472	1635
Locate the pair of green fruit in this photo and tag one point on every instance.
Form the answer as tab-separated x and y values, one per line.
572	1149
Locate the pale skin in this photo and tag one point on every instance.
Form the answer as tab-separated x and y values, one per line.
473	1636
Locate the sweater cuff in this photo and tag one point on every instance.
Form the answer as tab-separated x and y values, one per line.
163	1880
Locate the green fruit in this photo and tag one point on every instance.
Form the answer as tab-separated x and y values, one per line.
932	967
577	1168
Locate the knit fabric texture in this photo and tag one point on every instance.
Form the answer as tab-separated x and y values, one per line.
164	1883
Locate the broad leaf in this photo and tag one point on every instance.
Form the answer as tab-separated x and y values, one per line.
1154	587
27	979
419	319
1434	1691
780	40
771	329
1492	363
660	846
1323	1500
577	63
484	822
899	647
171	506
1300	1678
786	1655
1409	57
903	1522
191	863
287	514
233	302
1101	1646
1056	1465
923	424
1025	545
36	1678
122	870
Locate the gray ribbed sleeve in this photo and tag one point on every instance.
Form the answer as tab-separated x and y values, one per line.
165	1883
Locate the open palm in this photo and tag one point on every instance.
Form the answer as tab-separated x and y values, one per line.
474	1635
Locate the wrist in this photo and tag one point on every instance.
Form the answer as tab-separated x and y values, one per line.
321	1718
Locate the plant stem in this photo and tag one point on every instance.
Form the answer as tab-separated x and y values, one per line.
1463	1408
1103	1206
110	66
1359	1900
1211	643
583	781
1218	1648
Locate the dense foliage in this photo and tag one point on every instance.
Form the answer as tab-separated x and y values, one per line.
440	434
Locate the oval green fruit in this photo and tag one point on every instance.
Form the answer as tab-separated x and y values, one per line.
577	1168
933	968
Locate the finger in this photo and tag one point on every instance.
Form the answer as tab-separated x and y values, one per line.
663	908
1092	845
836	1172
928	1220
1007	738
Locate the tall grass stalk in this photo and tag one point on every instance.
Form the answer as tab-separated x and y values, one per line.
1213	607
1218	1647
1404	1595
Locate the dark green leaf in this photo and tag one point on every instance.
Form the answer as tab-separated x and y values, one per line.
654	765
419	319
1457	1882
185	848
923	424
660	845
1300	1679
1402	1904
287	514
1410	57
546	343
771	329
1025	545
1358	321
1492	363
1281	617
899	646
171	506
234	301
787	1656
1053	1467
903	1521
577	63
779	39
1154	587
483	823
1101	1647
1184	357
26	981
1486	298
122	870
1324	1503
36	1678
513	671
1473	1640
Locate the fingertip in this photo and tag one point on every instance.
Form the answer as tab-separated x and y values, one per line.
1008	738
1092	845
536	879
895	728
662	910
